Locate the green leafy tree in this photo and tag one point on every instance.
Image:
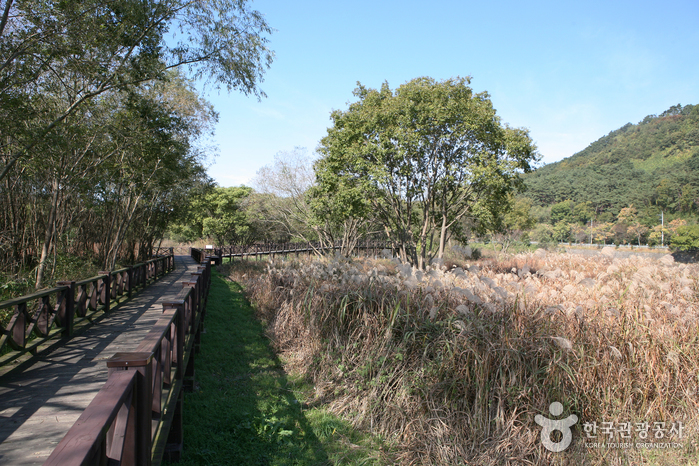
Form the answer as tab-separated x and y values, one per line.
602	233
117	163
686	238
85	49
221	215
583	212
426	156
665	194
562	231
562	212
634	229
517	222
97	132
689	199
543	234
339	206
541	214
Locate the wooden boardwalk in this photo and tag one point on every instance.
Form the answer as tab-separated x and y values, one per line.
41	398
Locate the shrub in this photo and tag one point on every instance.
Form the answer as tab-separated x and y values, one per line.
686	238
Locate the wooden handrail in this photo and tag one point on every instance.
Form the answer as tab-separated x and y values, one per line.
279	248
43	315
162	365
109	430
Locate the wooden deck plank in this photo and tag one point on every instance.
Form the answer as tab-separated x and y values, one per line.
41	398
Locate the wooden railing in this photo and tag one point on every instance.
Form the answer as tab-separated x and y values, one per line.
46	314
177	250
272	249
136	418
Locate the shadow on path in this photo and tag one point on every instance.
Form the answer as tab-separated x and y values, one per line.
41	397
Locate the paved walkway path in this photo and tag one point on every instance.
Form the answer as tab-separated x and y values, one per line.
41	398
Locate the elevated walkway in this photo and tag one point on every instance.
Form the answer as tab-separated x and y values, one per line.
41	398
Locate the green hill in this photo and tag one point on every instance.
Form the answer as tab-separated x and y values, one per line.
653	165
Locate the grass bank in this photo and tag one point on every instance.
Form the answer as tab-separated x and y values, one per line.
247	410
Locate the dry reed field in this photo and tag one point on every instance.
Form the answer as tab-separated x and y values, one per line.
454	365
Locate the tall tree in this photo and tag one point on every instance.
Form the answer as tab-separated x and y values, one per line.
426	156
686	238
109	177
517	221
339	206
90	47
221	215
284	185
97	133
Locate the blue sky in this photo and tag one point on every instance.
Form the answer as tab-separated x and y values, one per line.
570	72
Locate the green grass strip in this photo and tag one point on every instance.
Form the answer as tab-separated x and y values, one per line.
245	409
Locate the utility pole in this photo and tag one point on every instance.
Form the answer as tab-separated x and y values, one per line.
662	228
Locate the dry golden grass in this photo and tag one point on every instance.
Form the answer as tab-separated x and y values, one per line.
455	365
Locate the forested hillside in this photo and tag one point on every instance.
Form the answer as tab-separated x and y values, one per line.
653	165
639	184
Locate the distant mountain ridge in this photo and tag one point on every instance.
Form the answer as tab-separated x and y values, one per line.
653	164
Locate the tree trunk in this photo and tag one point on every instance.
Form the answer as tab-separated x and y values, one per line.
442	236
350	237
48	238
112	256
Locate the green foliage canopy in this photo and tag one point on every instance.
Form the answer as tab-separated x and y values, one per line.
425	156
84	49
686	238
218	213
653	165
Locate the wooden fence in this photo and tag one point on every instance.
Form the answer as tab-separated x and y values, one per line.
53	312
136	418
272	249
177	250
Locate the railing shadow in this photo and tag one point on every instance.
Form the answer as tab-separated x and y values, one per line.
83	351
39	383
242	410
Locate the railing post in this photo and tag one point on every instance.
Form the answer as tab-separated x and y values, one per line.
115	286
141	362
106	292
120	285
144	274
181	326
189	375
66	313
175	437
129	281
206	283
19	333
197	302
